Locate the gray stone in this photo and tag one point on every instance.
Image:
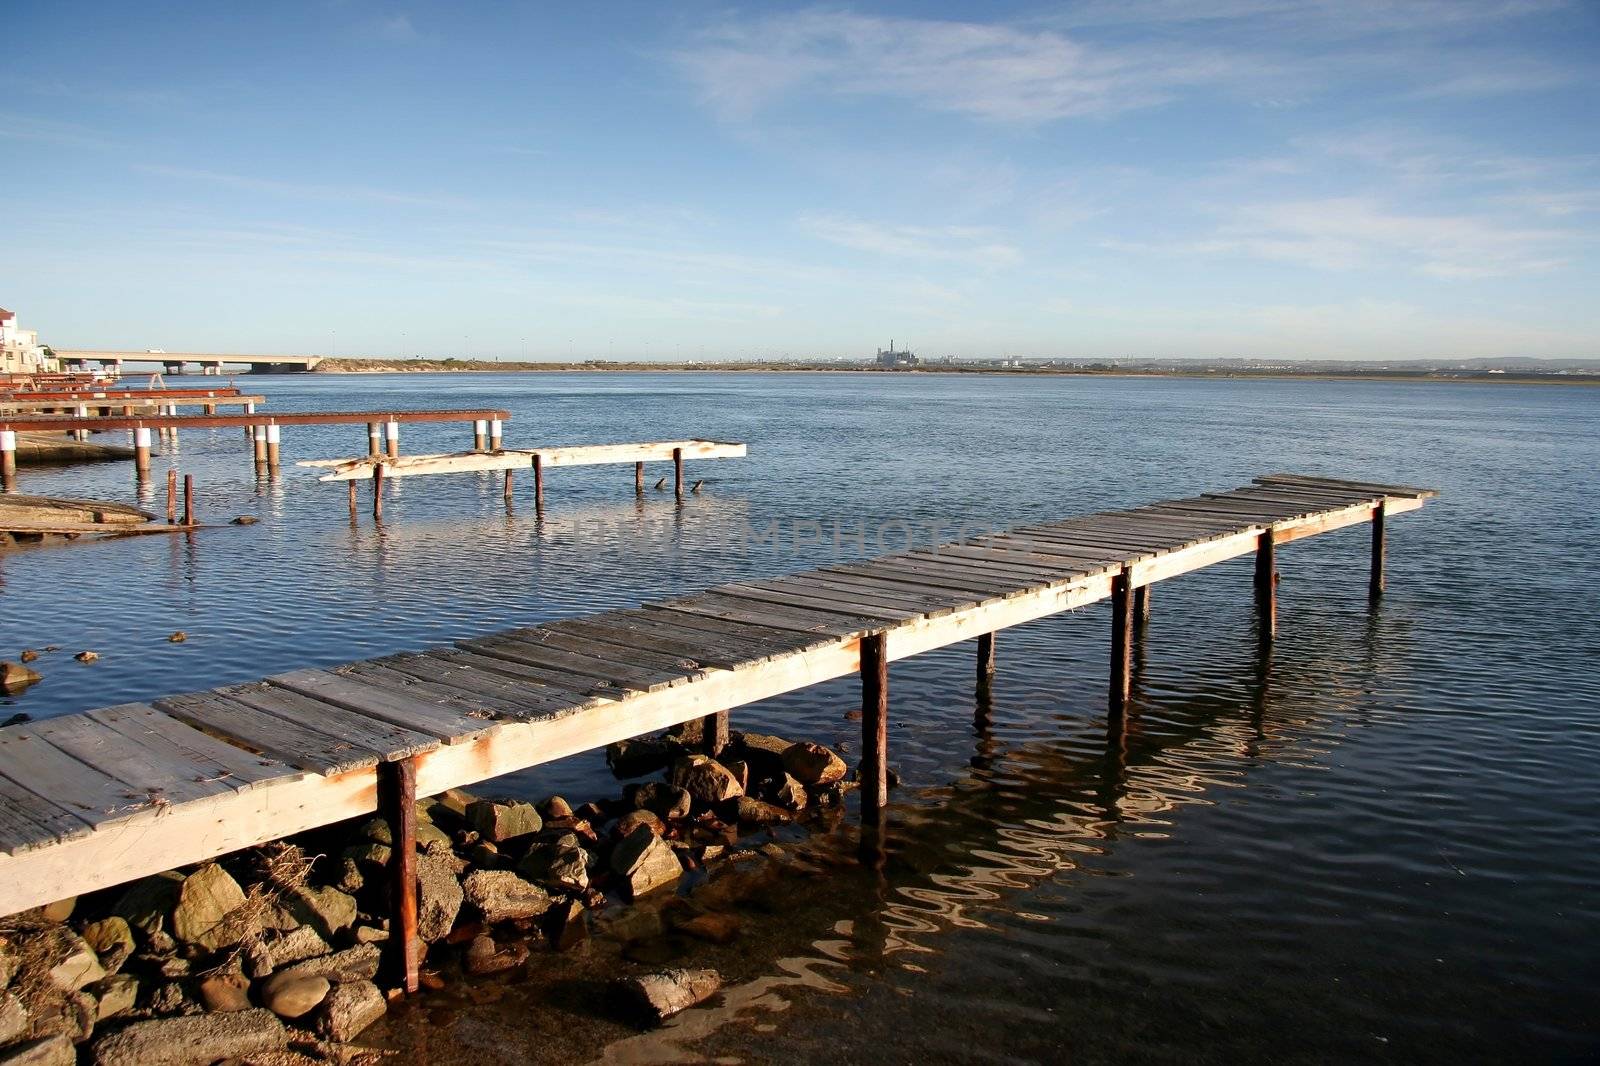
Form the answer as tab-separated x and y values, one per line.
499	822
662	994
205	899
640	756
200	1038
370	855
46	1051
633	819
439	897
225	991
359	963
660	798
707	780
116	995
645	861
764	753
13	1018
327	910
14	677
349	1009
377	830
351	879
812	764
68	1014
502	896
561	864
147	902
431	838
60	910
556	807
292	998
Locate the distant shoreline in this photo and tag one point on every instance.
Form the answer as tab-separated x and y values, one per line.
481	366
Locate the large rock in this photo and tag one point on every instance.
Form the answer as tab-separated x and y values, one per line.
645	861
561	864
764	753
661	995
349	1009
359	963
439	897
327	910
502	896
292	998
787	792
72	963
500	822
225	990
45	1051
109	936
664	800
14	677
300	943
147	902
707	780
640	756
633	819
812	764
205	900
69	1014
200	1038
751	811
13	1018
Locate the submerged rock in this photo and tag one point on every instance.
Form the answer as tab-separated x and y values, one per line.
658	996
14	677
640	756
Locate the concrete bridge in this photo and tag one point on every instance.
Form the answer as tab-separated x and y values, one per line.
209	362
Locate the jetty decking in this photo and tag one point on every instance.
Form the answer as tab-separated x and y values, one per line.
95	799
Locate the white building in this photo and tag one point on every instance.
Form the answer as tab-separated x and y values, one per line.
20	352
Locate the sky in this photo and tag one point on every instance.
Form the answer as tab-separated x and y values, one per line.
1279	179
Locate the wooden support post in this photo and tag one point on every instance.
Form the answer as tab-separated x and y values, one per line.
397	782
1141	612
394	440
188	499
273	438
141	452
1266	582
374	439
874	723
8	459
480	434
249	409
377	493
1121	641
1376	582
714	733
538	482
172	496
677	472
510	474
260	435
985	661
638	479
352	486
496	434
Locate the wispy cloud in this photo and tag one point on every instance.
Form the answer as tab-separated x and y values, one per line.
305	190
970	244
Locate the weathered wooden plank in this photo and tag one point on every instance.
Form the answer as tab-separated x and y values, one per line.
981	588
539	679
69	783
817	600
830	585
29	821
233	766
383	738
708	649
1099	559
797	619
995	577
1414	491
145	770
1003	570
989	553
781	641
361	468
615	675
678	668
897	583
289	742
415	710
495	676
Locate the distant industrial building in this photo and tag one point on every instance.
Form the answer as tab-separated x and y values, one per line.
20	351
889	357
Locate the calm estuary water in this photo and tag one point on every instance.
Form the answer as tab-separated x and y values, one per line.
1380	846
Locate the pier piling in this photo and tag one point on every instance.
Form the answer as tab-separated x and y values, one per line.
638	479
1121	640
874	722
1141	612
377	493
374	439
1376	582
141	452
677	472
496	434
1266	586
8	458
985	661
274	438
188	499
480	434
394	440
172	496
397	783
538	482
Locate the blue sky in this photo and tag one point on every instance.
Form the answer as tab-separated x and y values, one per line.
1264	178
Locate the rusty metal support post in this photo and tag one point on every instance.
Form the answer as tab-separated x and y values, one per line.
141	452
274	436
397	786
352	487
510	476
677	472
188	499
1121	640
260	435
172	496
538	482
377	493
874	721
1376	582
1266	582
638	479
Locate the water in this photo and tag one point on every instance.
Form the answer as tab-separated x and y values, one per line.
1381	846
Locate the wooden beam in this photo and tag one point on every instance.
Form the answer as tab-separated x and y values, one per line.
1121	680
1266	585
1376	581
874	773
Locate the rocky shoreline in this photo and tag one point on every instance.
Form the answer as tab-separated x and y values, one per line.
276	954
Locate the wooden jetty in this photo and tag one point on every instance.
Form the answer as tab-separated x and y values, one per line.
264	428
376	468
95	799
